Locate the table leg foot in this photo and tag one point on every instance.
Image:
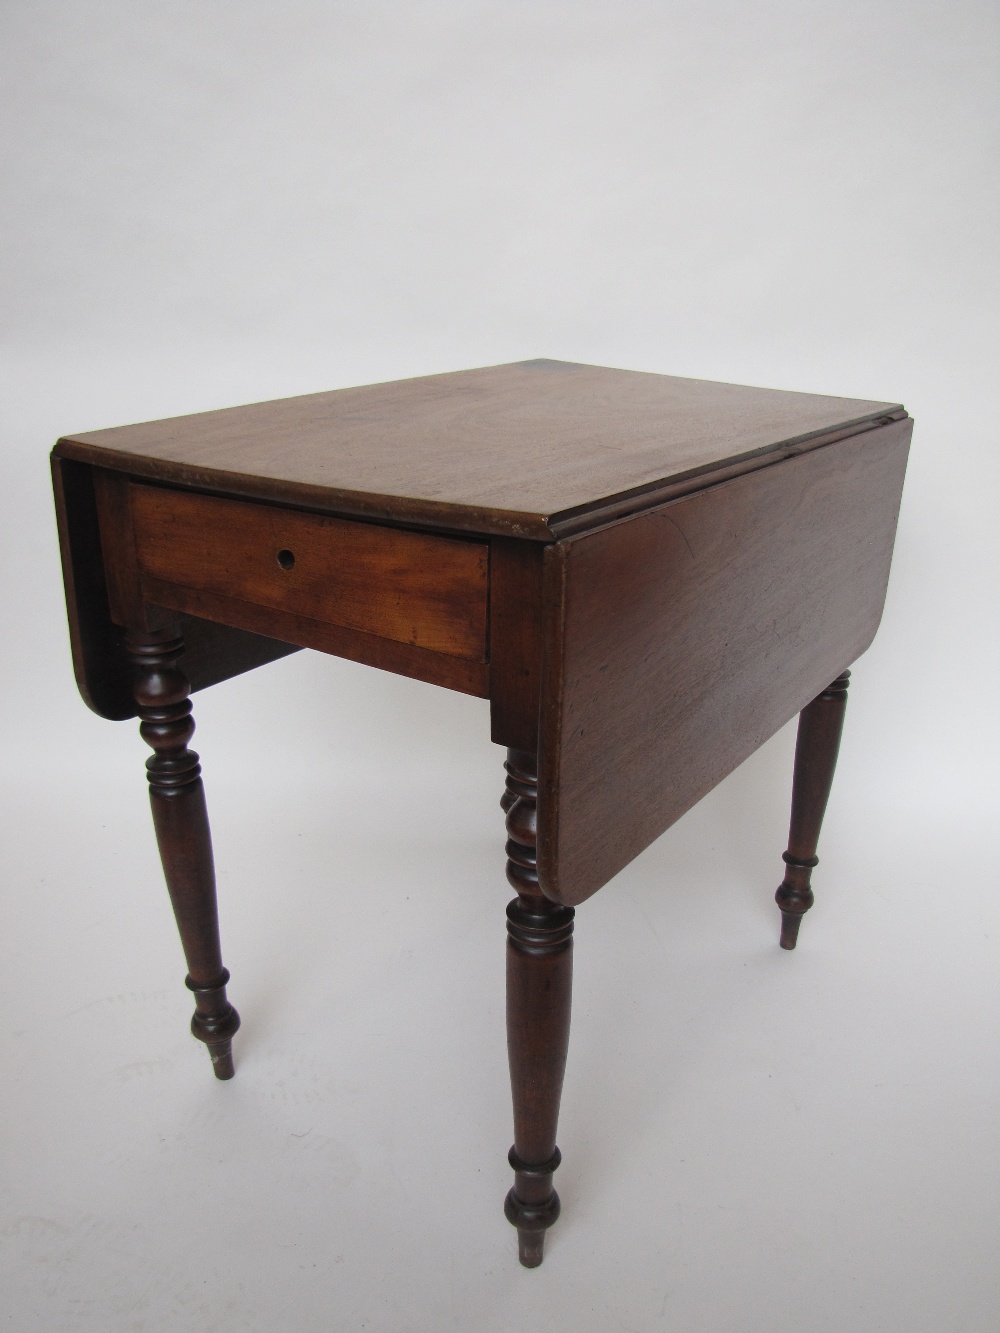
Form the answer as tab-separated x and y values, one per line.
530	1248
215	1022
817	745
532	1219
180	818
790	922
539	993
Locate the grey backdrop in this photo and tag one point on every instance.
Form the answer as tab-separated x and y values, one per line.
214	203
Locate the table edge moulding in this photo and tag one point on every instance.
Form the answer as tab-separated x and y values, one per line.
646	576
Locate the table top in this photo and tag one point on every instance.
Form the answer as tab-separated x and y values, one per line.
536	449
703	560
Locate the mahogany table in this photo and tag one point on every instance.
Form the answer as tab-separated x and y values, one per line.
646	576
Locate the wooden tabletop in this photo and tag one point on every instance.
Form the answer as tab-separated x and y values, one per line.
536	449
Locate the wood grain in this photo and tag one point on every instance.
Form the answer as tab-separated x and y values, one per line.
404	659
121	569
817	744
516	636
212	652
533	449
680	640
100	664
180	818
539	1000
647	576
426	591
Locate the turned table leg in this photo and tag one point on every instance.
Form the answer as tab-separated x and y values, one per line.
180	819
539	987
820	725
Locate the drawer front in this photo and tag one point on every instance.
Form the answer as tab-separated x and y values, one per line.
412	588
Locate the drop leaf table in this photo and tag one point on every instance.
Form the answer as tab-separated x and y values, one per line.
646	576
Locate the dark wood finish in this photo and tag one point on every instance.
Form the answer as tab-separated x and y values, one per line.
539	992
138	598
646	576
516	636
100	664
680	640
125	597
454	673
512	786
177	798
817	745
212	652
410	587
535	449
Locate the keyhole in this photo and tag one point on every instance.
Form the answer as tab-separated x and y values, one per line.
286	559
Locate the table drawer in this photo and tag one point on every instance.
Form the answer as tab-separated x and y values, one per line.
425	591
